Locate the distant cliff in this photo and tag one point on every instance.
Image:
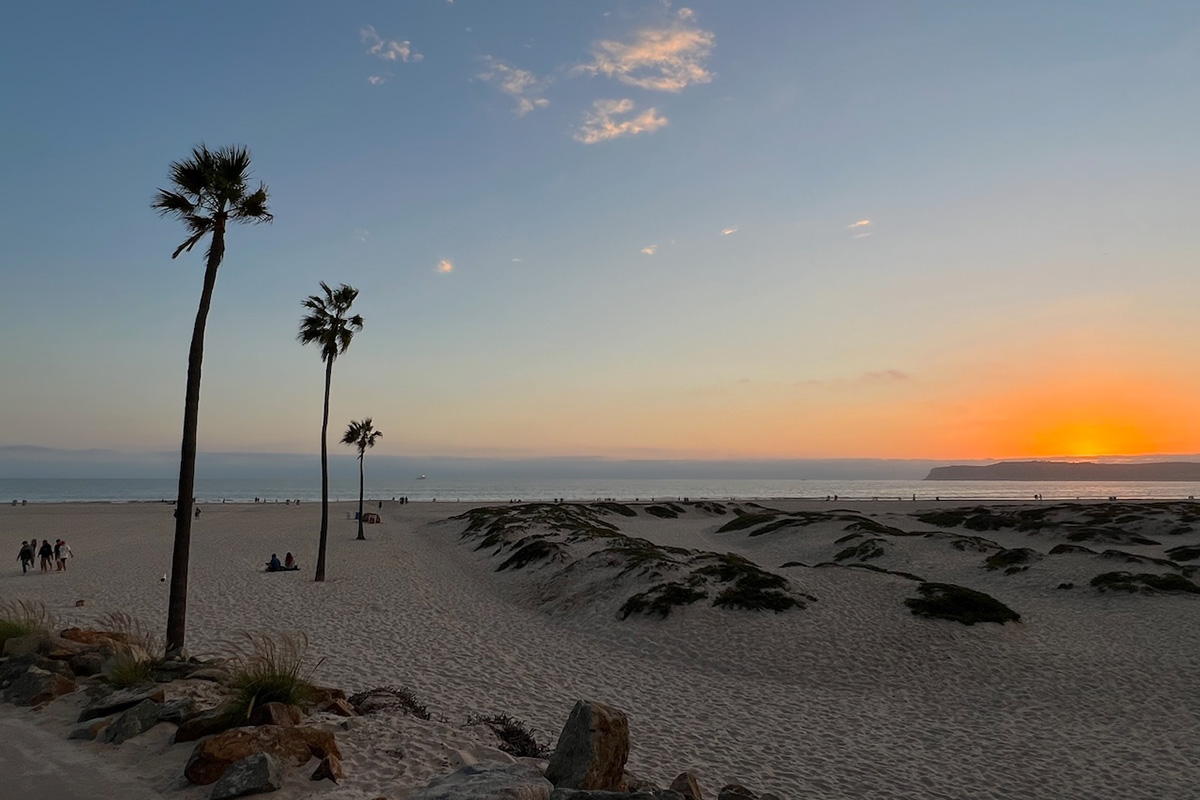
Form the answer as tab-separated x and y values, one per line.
1069	471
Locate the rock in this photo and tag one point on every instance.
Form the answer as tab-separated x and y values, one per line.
120	701
340	707
280	714
215	754
174	670
87	663
671	794
11	668
320	695
206	723
599	794
104	639
254	774
687	785
633	783
176	711
735	791
26	645
592	748
330	768
89	730
60	649
488	782
132	722
214	674
769	796
35	686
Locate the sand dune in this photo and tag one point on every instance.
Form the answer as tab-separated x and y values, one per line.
1092	695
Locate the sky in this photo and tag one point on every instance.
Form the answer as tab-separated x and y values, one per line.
615	228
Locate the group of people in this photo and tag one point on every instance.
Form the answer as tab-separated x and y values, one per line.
288	563
58	553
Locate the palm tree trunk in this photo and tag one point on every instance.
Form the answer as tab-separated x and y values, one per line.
360	496
324	475
177	603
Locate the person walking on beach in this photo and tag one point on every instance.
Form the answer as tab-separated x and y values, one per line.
62	551
46	553
25	556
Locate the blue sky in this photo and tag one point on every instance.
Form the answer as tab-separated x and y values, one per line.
616	228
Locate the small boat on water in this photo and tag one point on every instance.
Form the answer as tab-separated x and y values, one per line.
421	478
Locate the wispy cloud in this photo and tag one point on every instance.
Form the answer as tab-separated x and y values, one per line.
650	249
520	84
361	234
445	266
729	231
861	235
388	49
885	375
375	80
602	123
862	223
668	58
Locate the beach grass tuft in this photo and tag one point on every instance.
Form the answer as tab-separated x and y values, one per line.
516	738
269	668
382	697
21	618
960	604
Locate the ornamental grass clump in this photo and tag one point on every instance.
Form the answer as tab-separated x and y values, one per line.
134	661
21	618
269	668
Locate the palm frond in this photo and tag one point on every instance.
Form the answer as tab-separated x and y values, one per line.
189	243
327	325
168	203
253	207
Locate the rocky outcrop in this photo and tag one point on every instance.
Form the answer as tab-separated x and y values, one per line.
488	782
254	774
592	748
330	769
132	722
596	794
176	711
280	714
35	686
206	723
120	701
215	754
687	785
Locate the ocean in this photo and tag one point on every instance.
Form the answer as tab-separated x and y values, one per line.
245	490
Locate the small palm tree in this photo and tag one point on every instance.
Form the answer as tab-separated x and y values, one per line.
327	325
361	435
209	190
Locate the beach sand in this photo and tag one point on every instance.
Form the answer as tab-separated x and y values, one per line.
1091	695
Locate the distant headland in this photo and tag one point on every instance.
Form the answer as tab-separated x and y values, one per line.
1069	471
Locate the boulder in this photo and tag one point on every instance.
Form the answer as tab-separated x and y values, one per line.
330	768
104	639
176	711
592	748
687	785
26	645
35	686
89	662
132	722
488	782
599	794
214	674
254	774
339	707
174	670
215	754
735	791
14	666
206	723
91	729
120	701
280	714
60	649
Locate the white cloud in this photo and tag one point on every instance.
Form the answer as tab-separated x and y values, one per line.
862	223
729	231
601	124
666	59
361	234
445	266
375	80
516	261
388	49
650	249
520	84
861	235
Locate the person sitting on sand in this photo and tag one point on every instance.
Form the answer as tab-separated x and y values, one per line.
273	565
289	562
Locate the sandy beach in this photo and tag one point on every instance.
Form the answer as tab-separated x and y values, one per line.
1091	695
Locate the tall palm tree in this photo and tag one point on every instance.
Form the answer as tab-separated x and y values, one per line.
327	325
209	190
361	435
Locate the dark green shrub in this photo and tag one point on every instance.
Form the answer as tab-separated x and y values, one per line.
1144	582
1012	561
537	550
960	604
663	512
660	599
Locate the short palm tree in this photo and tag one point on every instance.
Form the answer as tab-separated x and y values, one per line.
361	435
327	325
209	190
